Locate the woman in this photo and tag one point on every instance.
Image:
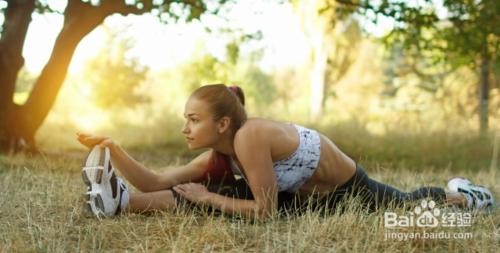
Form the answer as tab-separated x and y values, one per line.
280	165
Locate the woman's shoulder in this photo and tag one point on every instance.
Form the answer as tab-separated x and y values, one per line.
260	128
260	124
256	134
250	127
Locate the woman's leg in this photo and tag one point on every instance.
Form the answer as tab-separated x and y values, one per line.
376	194
169	199
143	202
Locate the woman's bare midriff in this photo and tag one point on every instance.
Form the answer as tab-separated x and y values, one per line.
335	168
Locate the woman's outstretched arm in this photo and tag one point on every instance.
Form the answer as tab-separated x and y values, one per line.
138	175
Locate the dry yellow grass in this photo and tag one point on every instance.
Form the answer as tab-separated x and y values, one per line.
41	211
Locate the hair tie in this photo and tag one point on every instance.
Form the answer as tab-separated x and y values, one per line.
233	89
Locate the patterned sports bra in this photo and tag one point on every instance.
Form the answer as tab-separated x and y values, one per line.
294	171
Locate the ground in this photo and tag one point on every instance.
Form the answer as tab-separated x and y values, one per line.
41	202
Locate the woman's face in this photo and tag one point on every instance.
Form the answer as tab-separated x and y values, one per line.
200	128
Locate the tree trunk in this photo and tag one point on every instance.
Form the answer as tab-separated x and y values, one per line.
15	26
484	88
318	20
18	124
42	97
318	75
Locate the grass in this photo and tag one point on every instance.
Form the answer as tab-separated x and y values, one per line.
457	150
41	201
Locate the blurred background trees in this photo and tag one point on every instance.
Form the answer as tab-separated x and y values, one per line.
452	33
432	70
115	78
19	123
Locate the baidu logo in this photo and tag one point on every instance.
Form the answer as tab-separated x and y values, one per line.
427	215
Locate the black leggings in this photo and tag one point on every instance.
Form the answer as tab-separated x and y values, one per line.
375	195
372	195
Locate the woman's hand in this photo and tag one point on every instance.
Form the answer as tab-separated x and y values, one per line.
90	141
196	193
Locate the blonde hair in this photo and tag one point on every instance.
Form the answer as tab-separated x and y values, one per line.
224	101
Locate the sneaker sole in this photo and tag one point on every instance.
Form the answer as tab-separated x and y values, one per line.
93	176
94	165
94	200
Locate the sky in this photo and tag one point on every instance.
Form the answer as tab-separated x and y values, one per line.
161	46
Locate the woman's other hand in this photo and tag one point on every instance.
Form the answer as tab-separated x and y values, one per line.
193	192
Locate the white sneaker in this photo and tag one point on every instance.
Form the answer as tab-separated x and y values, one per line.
106	193
102	201
477	196
94	167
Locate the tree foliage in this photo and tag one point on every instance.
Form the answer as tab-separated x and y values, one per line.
235	69
459	30
19	123
455	32
114	76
